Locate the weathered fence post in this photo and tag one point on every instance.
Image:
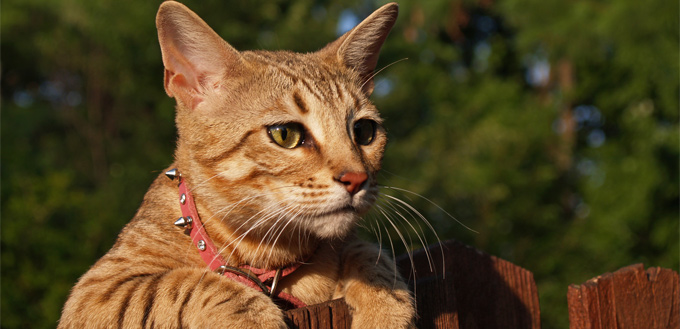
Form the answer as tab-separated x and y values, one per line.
628	298
463	288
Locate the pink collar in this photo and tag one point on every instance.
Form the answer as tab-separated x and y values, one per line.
260	279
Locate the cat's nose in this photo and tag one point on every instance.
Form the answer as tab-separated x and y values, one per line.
353	181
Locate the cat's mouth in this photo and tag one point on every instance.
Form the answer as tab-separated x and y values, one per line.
354	208
338	211
343	210
333	222
338	219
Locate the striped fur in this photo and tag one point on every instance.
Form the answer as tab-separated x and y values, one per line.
262	204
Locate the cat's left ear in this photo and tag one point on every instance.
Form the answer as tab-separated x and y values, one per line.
359	48
196	59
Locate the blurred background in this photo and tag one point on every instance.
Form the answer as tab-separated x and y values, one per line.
548	127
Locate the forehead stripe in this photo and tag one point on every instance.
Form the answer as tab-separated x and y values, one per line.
302	106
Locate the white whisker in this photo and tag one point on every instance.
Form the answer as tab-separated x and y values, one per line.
432	203
382	69
422	242
416	212
259	221
290	219
408	250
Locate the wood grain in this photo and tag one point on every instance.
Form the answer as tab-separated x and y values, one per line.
332	314
628	298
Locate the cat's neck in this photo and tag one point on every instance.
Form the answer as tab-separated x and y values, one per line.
257	249
241	244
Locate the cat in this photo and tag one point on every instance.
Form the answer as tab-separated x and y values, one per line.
278	152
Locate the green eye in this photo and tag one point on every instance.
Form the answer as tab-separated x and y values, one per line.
364	131
288	135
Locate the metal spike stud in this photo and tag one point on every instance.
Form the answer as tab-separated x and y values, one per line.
184	222
172	173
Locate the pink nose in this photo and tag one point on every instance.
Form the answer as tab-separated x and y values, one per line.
353	181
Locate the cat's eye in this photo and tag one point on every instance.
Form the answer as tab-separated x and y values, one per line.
288	135
364	131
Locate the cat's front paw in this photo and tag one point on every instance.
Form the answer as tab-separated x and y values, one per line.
381	308
250	309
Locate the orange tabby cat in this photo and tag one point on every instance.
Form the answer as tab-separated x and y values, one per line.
280	153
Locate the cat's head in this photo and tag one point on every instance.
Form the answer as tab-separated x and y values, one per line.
276	141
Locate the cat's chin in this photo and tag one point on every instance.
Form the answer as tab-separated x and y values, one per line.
334	224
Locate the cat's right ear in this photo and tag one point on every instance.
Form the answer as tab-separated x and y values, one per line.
359	48
196	59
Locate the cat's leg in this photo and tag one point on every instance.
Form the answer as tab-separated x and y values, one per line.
373	289
178	298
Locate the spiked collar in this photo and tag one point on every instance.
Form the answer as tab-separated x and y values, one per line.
264	280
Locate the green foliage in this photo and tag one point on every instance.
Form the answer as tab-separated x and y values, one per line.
569	174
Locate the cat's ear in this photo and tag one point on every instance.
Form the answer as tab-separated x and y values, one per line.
196	59
359	48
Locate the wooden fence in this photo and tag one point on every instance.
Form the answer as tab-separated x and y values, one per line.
473	290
